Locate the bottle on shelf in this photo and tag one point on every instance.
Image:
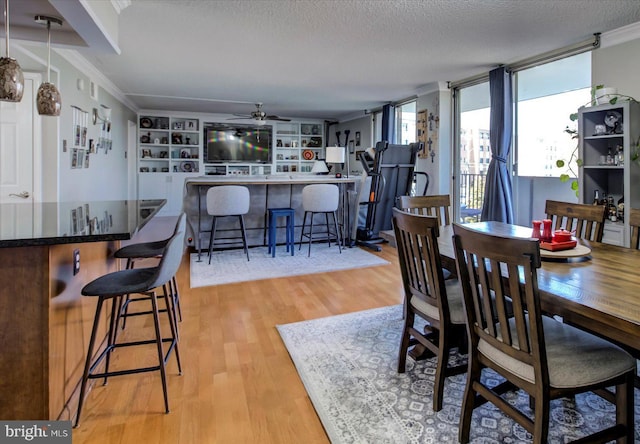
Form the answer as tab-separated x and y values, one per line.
609	157
596	197
619	156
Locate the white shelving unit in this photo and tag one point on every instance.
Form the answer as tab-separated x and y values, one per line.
298	145
619	179
168	145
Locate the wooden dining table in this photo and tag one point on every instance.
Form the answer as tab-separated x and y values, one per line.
599	292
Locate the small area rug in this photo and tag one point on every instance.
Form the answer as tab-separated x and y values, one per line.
348	364
232	266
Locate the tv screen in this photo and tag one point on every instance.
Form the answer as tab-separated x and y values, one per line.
237	143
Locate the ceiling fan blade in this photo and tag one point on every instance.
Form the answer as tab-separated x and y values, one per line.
240	118
281	119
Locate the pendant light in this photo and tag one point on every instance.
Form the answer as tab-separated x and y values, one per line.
48	99
11	77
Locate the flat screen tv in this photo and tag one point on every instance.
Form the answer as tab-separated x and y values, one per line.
237	143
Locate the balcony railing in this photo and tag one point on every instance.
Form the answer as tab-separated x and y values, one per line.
471	188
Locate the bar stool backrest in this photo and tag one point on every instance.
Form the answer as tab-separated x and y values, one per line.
228	200
321	197
172	255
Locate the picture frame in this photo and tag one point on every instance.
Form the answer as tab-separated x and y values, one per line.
352	148
146	153
144	169
176	138
357	138
190	125
178	125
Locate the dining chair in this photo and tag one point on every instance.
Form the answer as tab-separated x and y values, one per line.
586	220
438	205
429	296
534	353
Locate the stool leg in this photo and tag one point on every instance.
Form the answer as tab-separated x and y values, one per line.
244	236
176	296
326	218
163	375
113	329
87	364
304	223
310	233
338	240
173	325
124	305
213	235
272	234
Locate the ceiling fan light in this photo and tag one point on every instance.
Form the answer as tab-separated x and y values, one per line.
48	100
11	80
261	122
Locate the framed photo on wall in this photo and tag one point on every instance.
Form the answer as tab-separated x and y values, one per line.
352	147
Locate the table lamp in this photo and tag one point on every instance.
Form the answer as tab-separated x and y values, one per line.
320	167
336	154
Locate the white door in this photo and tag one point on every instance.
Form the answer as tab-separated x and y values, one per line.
18	157
17	146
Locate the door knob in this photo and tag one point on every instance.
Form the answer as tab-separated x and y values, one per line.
23	195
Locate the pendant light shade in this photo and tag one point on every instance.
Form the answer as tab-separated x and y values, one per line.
48	100
11	77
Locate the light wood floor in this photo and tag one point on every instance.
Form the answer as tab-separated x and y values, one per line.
238	383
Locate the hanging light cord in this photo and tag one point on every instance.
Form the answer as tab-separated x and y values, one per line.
48	51
6	24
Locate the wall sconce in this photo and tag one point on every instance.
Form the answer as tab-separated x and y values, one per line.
105	118
12	79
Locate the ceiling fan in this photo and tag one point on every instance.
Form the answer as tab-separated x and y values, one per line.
259	116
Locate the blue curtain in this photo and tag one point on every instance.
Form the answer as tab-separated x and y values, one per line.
388	124
498	202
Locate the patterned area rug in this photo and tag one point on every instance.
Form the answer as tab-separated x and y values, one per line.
348	366
232	266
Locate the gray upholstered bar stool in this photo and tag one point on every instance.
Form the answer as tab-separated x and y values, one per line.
144	281
224	201
322	198
147	250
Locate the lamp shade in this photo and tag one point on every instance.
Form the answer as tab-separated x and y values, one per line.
11	80
48	100
335	154
320	167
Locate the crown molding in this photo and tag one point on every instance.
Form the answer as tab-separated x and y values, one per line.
82	64
119	5
620	35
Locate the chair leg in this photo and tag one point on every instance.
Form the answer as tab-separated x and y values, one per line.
87	363
625	409
176	297
541	419
404	342
473	374
163	375
338	239
244	236
304	224
290	234
441	371
326	221
213	235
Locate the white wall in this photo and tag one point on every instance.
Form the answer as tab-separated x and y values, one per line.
361	124
106	177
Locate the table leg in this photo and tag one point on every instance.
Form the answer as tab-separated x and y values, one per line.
199	244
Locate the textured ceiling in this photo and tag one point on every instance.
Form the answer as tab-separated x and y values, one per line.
331	59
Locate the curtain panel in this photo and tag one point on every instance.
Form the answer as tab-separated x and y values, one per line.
498	195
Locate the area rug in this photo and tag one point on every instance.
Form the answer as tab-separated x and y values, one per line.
348	363
232	266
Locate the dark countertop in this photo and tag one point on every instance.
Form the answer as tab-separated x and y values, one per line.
27	224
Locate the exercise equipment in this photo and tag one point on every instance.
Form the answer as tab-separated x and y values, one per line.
391	168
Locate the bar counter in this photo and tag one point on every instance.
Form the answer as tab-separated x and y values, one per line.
45	323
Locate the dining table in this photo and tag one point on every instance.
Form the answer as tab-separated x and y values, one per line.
599	292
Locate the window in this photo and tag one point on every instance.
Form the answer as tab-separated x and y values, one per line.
406	122
546	96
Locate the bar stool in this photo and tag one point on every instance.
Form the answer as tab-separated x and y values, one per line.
228	200
138	280
274	213
320	198
147	250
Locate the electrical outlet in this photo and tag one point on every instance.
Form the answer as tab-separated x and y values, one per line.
76	261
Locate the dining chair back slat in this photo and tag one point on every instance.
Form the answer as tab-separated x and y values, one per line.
586	220
437	205
634	222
